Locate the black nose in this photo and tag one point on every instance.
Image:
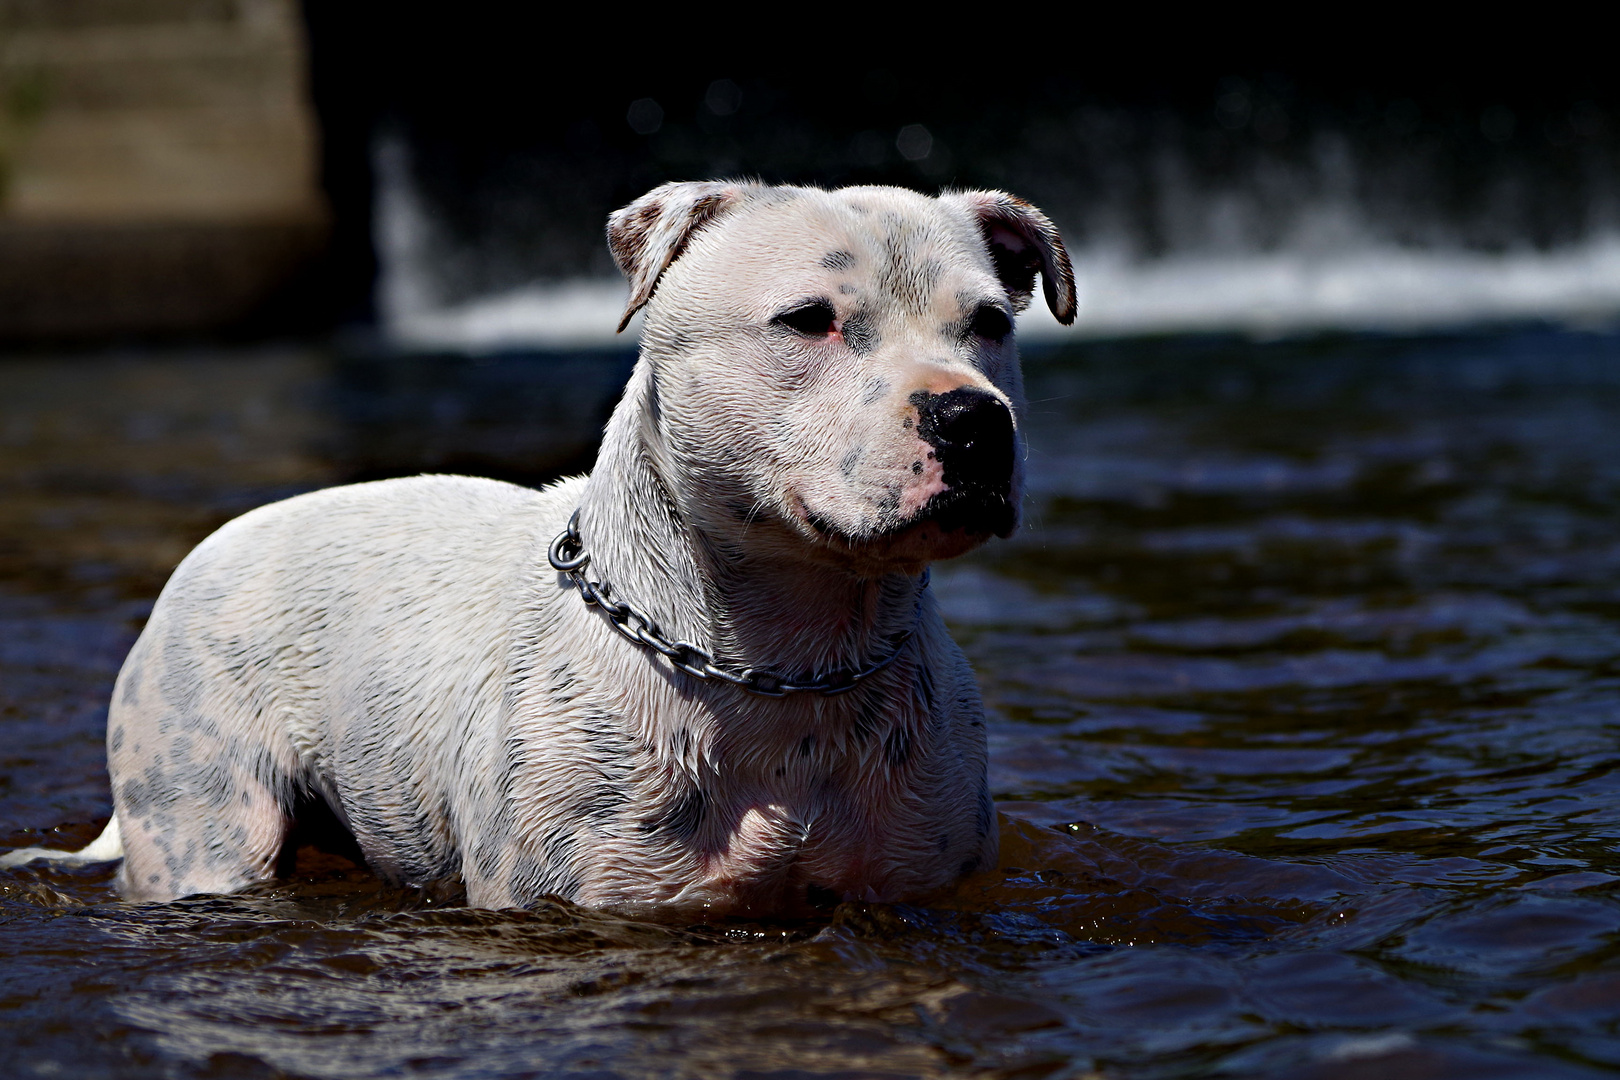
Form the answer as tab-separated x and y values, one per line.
971	431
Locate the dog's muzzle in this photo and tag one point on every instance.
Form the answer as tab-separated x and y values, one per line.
971	431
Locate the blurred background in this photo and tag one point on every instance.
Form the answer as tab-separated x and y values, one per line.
263	168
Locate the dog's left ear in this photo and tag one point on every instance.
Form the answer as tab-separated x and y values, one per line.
1022	240
650	233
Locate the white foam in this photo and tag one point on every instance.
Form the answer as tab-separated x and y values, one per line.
1332	274
571	315
581	314
1285	292
1265	295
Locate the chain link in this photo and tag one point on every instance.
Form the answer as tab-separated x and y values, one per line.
569	558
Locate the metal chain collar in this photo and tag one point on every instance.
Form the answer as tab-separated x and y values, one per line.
569	557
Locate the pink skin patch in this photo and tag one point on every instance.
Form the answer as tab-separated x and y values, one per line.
922	542
926	483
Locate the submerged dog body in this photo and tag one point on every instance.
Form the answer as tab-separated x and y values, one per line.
826	400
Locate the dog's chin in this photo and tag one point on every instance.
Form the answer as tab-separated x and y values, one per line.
949	525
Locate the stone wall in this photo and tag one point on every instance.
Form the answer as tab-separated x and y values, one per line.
158	168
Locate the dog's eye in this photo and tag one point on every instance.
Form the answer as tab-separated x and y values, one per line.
990	322
815	319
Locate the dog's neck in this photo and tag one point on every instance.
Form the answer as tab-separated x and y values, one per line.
791	616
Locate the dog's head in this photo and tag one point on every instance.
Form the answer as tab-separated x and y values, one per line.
834	372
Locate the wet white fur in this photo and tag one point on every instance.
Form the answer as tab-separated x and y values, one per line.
403	650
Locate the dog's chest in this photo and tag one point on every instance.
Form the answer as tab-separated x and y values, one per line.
848	806
631	787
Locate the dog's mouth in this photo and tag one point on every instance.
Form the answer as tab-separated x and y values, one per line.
953	521
977	509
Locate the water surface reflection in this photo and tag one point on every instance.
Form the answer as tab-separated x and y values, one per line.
1304	683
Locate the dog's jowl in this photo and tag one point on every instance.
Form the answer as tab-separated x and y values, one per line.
710	673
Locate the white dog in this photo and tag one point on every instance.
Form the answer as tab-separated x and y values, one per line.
710	673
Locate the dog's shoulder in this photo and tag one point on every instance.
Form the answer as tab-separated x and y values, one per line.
434	493
399	507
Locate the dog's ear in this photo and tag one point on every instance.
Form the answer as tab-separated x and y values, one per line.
650	233
1023	240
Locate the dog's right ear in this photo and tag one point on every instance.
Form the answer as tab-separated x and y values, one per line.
650	233
1022	241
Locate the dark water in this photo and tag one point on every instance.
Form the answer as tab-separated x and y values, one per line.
1306	689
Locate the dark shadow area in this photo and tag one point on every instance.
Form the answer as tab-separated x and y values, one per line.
319	845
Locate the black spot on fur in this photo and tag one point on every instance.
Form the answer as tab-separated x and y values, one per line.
552	872
132	680
838	260
137	797
929	271
562	856
219	789
486	857
603	803
561	683
875	389
524	877
682	819
180	865
860	334
848	290
916	468
808	745
116	743
176	684
890	503
612	750
851	461
415	830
